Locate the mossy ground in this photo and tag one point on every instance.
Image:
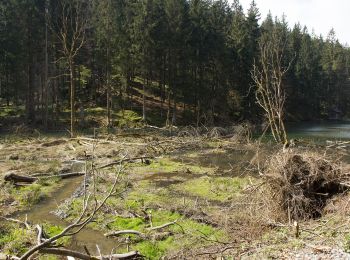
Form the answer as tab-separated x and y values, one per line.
208	203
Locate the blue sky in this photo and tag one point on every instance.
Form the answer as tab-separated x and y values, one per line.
317	15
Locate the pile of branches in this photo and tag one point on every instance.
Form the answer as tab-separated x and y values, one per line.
302	183
241	132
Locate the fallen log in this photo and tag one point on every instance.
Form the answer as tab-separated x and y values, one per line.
125	160
71	253
13	177
66	252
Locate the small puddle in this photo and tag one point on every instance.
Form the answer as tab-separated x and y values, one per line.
43	212
233	160
166	179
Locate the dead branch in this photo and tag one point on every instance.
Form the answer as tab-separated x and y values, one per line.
124	232
23	223
162	226
138	233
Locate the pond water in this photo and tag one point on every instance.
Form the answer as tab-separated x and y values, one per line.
43	212
320	131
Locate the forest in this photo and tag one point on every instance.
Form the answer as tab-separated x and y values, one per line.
170	129
174	62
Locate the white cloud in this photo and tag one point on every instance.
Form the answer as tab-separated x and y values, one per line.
317	15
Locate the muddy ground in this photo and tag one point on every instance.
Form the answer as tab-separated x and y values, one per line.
207	185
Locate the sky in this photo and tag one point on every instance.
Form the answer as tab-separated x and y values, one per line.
317	15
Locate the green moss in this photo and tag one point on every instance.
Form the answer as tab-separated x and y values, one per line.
166	165
15	240
156	249
146	195
120	223
31	194
153	250
221	189
53	230
161	217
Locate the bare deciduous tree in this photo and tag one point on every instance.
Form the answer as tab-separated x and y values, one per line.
70	30
268	74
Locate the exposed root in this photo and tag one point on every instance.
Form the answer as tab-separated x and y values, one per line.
303	182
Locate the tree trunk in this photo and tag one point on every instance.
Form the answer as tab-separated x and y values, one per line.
72	98
169	108
173	121
144	101
46	80
108	91
30	95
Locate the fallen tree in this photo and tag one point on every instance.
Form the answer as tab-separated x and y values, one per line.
143	159
303	182
15	178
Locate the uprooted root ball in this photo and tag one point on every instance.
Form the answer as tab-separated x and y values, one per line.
303	182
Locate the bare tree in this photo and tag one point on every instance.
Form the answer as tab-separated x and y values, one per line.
70	29
268	74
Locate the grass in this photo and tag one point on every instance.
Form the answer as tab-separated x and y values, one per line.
220	189
155	249
32	194
15	240
53	230
167	165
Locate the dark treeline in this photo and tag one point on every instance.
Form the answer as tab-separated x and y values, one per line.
194	56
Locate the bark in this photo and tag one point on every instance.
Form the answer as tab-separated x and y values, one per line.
108	87
12	177
143	102
72	98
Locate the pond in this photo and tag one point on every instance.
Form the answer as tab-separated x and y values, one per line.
320	131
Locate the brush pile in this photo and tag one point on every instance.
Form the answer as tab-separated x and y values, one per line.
303	182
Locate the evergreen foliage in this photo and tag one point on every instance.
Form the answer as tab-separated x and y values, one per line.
194	57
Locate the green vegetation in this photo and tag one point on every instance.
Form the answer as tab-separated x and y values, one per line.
11	111
158	248
220	188
31	195
53	230
133	59
15	240
128	118
168	165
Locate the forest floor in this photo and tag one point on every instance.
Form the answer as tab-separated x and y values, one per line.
205	184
